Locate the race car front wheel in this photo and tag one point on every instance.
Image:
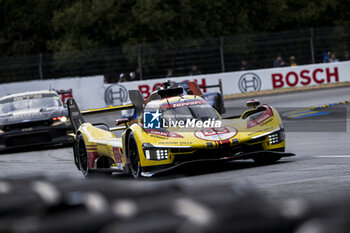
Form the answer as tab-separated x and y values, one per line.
133	156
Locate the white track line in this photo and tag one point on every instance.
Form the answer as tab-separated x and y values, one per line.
332	156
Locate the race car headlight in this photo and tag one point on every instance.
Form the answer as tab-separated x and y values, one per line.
156	154
60	118
5	127
63	119
153	153
277	137
273	138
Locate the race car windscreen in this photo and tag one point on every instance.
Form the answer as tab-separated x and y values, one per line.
199	112
45	103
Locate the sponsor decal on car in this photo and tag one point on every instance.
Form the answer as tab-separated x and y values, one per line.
216	134
163	133
92	154
117	155
182	104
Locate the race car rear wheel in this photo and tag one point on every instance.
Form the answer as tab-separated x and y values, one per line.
266	159
133	156
83	156
218	104
76	156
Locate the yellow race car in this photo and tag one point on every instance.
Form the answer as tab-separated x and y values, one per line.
174	129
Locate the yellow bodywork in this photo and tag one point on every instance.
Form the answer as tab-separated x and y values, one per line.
106	144
243	135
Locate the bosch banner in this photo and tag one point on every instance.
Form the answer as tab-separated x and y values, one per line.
242	81
91	92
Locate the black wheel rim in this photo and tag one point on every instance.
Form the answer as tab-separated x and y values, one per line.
133	157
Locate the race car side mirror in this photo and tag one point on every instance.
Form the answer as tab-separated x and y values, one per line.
252	103
122	121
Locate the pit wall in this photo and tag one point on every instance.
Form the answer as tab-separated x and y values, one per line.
91	92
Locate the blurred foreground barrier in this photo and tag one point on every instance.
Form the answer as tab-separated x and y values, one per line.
104	205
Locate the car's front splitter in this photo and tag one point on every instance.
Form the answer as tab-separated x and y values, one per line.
150	171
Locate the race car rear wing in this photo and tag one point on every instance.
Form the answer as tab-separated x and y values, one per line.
135	97
77	117
137	100
219	85
107	109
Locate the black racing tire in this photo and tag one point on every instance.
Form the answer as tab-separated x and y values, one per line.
218	104
221	104
266	159
83	157
133	156
75	153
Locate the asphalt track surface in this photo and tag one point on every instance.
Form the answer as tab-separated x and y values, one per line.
319	169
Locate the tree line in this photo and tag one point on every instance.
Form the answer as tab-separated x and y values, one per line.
49	26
